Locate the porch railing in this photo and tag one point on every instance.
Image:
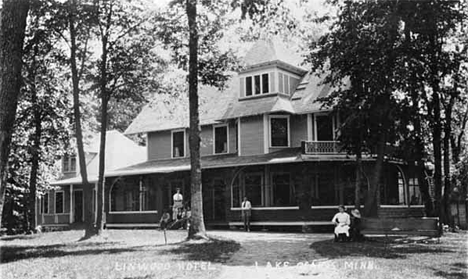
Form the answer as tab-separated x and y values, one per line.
320	147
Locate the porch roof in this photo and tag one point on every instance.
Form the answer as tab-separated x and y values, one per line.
289	155
73	181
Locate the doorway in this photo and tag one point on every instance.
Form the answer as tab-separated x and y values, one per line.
78	206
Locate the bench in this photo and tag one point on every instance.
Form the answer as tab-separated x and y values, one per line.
401	226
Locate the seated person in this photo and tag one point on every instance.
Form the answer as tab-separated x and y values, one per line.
342	222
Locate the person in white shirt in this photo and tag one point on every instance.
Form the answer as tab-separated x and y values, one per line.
246	213
178	204
342	221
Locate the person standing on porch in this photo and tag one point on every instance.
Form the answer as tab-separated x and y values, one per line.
178	204
246	213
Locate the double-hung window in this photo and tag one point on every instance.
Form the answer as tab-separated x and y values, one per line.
178	144
69	163
220	134
279	131
257	84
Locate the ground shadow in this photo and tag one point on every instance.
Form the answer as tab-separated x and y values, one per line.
388	248
457	271
214	250
20	252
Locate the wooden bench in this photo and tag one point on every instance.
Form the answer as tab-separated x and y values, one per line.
401	226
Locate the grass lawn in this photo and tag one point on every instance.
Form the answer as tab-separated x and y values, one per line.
231	254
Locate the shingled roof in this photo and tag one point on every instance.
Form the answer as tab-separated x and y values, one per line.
270	50
166	113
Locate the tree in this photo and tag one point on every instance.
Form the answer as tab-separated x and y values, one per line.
124	69
12	27
42	115
197	225
359	56
77	30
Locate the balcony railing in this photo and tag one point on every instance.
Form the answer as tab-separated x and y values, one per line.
320	147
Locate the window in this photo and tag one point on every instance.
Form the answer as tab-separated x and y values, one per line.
253	184
248	86
283	190
69	163
279	131
133	195
220	139
178	144
257	84
45	204
324	189
59	202
283	83
324	124
265	84
414	193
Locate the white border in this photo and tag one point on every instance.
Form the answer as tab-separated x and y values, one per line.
214	138
289	130
172	143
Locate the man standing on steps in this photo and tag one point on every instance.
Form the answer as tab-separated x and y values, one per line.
246	213
178	204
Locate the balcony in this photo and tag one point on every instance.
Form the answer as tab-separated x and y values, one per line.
320	147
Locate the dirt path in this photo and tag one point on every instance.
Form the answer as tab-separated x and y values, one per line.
276	255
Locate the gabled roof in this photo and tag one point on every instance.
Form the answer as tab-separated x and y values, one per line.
120	152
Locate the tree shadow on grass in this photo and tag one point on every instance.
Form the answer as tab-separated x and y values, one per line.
375	248
20	252
213	250
456	271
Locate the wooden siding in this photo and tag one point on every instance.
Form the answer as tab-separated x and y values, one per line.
252	135
293	83
242	87
232	137
298	129
206	144
159	145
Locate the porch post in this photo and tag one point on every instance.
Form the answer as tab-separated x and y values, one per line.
266	134
71	203
309	127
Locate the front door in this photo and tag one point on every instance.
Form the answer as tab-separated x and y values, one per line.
78	206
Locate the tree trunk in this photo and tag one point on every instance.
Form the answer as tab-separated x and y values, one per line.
357	187
87	190
100	220
371	207
12	26
35	157
445	210
197	224
437	146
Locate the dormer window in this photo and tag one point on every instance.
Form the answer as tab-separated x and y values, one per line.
69	163
257	84
178	143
